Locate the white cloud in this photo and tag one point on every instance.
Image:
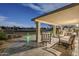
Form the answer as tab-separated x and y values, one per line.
9	23
31	5
45	7
4	22
2	18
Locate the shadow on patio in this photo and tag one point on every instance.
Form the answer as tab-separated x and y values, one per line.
57	50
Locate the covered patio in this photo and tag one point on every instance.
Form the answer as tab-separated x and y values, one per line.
65	16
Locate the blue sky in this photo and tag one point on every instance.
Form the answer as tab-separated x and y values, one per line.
22	14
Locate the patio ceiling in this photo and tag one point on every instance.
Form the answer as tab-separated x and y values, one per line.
63	16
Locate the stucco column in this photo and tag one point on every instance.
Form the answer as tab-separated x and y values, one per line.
38	33
54	30
62	30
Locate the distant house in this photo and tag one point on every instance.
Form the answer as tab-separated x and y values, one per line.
0	29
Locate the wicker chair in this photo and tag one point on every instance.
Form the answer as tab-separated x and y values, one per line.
70	43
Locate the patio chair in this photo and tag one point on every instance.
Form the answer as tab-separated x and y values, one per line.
45	38
70	43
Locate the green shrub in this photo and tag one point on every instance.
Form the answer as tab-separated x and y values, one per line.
2	36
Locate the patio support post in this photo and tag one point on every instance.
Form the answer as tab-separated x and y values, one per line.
62	30
38	33
54	30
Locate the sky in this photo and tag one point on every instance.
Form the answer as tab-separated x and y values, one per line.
21	14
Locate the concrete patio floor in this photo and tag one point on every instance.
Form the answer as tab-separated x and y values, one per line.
17	47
